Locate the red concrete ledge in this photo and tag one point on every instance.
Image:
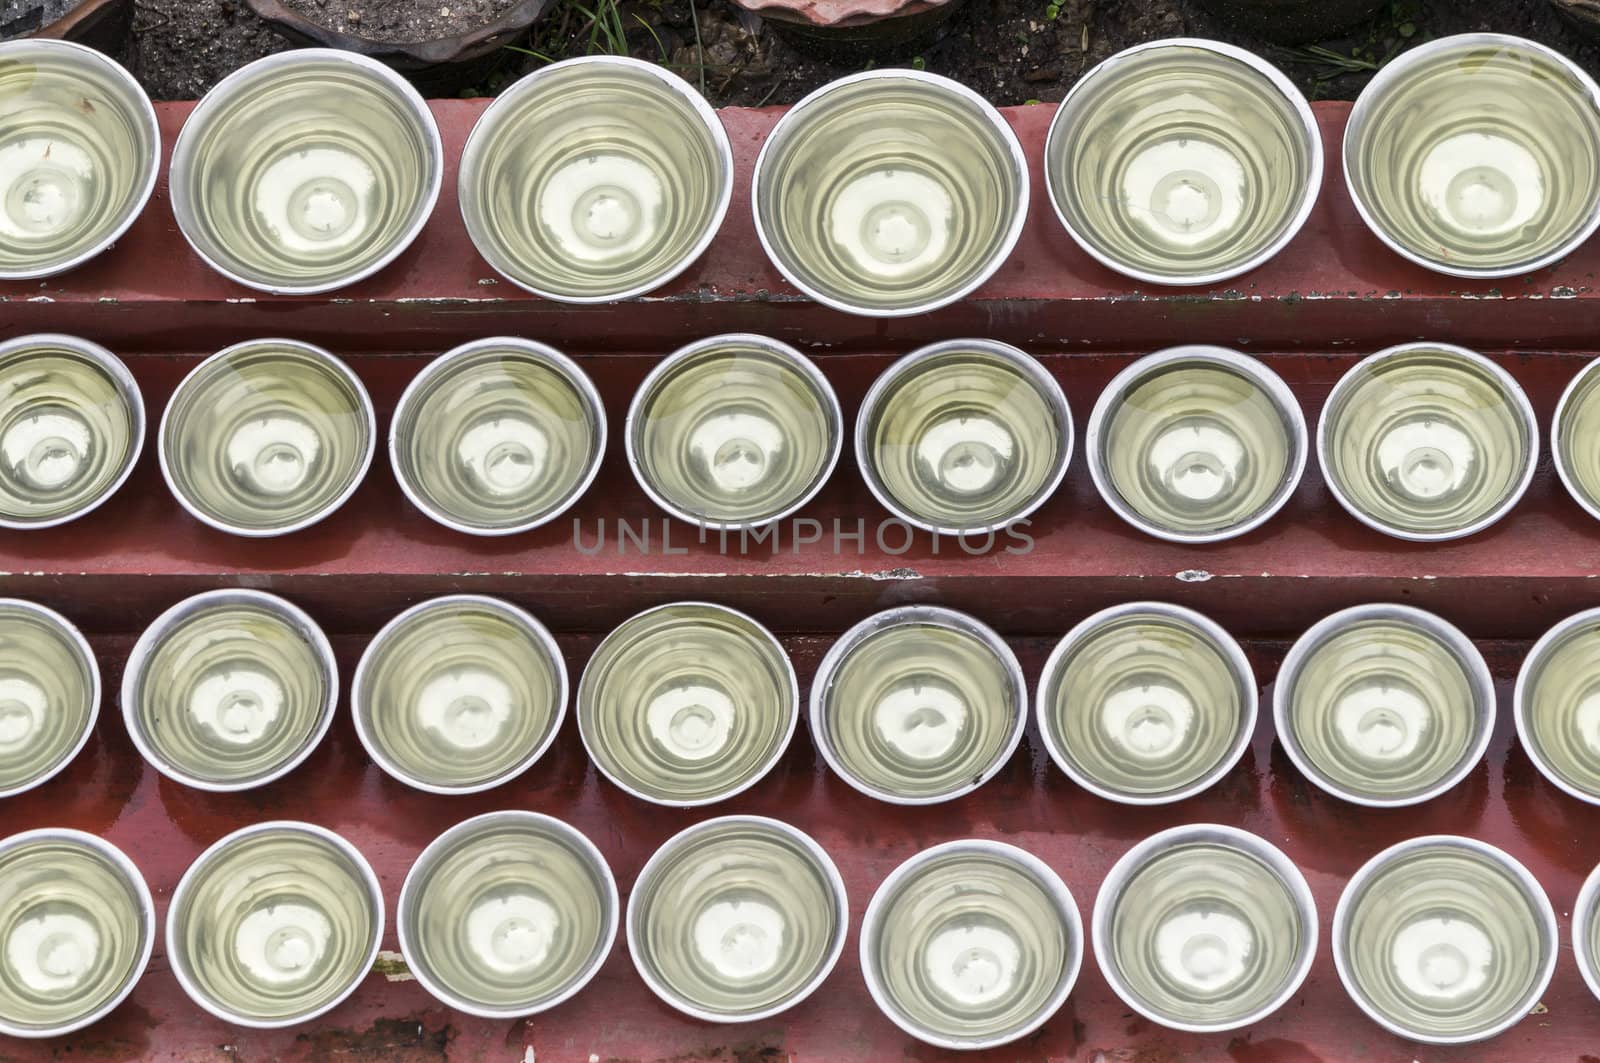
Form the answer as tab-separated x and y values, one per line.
163	826
116	568
1334	286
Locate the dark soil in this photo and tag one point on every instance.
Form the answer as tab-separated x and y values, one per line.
401	20
1012	51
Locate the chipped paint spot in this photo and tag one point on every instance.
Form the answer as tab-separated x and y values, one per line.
1563	292
40	299
238	299
1194	575
392	966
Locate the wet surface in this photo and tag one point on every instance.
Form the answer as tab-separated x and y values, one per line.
163	826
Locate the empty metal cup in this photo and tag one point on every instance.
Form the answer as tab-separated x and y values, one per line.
49	694
79	151
507	914
229	690
971	944
267	437
275	924
71	426
1146	703
918	705
733	431
1444	940
737	919
1384	705
306	170
1427	441
687	704
497	436
1575	438
459	694
1183	161
1205	928
76	928
1196	444
1557	705
964	437
595	179
1477	155
1586	931
889	193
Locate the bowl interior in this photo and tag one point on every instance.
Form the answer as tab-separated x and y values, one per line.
1182	164
306	174
79	153
1477	157
595	180
267	437
889	194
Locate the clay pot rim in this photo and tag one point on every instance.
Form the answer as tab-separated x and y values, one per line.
844	14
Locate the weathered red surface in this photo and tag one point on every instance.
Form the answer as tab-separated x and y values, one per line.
1334	286
164	826
1335	289
118	567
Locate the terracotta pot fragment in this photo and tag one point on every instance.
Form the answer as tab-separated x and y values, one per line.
100	24
444	64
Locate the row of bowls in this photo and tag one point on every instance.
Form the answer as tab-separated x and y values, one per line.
966	945
887	193
691	703
1424	441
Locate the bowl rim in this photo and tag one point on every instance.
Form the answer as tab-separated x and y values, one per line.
907	616
449	361
471	160
139	891
1365	102
411	895
820	859
336	367
183	149
1569	480
172	618
1029	864
141	105
1263	851
364	876
1255	372
1025	365
360	710
1538	902
73	636
1233	655
1277	79
1521	707
1515	397
127	387
759	631
1473	666
981	108
638	408
1584	911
